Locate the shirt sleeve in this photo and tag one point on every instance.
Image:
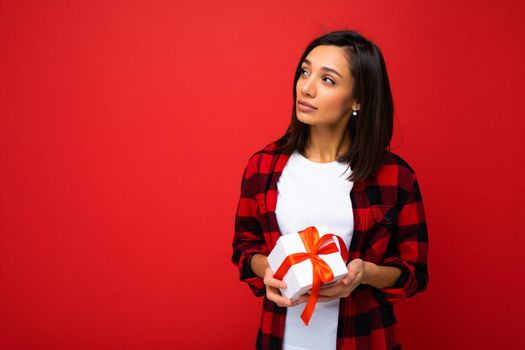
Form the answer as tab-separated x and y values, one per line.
248	238
410	251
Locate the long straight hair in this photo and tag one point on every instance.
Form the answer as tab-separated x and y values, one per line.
371	130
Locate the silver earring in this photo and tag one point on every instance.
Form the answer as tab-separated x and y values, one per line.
354	113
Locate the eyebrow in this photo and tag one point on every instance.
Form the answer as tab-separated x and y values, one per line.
326	69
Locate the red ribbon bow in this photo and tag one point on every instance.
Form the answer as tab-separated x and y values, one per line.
322	273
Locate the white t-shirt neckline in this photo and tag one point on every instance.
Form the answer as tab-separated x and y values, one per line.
314	164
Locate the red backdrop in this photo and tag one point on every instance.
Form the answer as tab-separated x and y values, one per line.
125	127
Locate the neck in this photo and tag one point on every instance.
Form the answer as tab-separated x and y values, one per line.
326	144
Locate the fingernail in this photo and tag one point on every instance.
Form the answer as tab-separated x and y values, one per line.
283	285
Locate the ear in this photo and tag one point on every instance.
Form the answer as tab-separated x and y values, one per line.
357	106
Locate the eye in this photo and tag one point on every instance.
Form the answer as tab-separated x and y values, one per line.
332	82
302	70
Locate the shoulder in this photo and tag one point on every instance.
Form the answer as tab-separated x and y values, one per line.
268	151
262	158
395	159
395	166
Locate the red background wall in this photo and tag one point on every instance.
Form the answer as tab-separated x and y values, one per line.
125	127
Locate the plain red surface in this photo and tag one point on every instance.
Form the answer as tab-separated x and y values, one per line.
125	127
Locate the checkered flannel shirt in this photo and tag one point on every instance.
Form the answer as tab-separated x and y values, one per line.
389	229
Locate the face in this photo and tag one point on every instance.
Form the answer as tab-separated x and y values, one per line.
326	83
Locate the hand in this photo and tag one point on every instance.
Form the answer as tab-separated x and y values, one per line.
346	285
274	294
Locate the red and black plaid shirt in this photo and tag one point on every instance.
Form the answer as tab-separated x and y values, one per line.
389	229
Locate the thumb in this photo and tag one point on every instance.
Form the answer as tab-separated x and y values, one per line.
350	276
346	279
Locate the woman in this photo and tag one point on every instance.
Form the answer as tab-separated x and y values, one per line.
333	167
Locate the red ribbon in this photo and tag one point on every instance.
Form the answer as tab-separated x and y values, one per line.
322	273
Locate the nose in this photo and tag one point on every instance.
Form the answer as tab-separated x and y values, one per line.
307	87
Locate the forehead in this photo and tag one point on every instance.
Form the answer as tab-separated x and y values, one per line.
329	56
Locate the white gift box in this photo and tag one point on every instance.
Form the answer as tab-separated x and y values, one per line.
299	277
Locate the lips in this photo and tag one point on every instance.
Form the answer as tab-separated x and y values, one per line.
304	103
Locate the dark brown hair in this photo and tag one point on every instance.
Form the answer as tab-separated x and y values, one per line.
371	130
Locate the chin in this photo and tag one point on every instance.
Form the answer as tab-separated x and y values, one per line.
303	120
303	117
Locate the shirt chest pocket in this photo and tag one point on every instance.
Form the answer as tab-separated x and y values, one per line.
380	225
383	214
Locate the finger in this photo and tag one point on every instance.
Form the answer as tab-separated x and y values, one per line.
284	302
295	302
330	291
280	302
302	299
352	275
270	280
273	282
275	296
281	284
346	280
305	297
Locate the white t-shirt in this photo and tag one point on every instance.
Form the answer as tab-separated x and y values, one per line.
313	194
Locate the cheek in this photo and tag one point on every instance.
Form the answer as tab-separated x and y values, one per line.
334	105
